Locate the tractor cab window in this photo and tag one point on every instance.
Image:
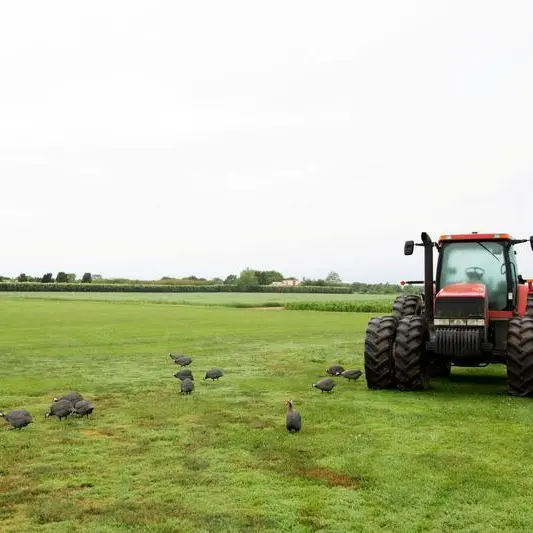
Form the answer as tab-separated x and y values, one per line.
481	262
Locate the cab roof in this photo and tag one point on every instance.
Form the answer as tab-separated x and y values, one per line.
476	237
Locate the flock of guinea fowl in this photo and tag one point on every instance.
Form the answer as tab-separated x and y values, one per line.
74	403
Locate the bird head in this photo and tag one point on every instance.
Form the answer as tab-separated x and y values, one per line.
56	399
289	403
2	414
46	415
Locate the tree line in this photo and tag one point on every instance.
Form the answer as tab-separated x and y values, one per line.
48	277
247	278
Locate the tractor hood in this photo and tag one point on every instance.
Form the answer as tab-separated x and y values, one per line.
463	290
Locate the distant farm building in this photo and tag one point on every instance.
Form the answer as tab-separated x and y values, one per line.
286	283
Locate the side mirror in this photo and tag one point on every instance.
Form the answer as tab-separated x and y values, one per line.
531	241
426	239
409	247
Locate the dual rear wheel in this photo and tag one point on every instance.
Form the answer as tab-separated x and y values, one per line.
395	355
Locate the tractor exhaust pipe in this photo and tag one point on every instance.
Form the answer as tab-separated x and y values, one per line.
428	275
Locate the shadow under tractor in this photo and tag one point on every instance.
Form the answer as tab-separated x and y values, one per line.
476	310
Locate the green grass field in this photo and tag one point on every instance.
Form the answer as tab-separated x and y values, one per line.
454	458
204	298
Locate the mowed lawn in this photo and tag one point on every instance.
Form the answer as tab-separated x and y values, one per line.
458	457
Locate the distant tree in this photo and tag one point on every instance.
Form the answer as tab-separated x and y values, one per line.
230	280
4	278
86	278
266	277
47	278
217	281
71	277
61	277
96	276
22	277
248	278
333	279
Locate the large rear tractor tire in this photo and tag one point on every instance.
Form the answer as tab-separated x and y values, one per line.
410	360
520	357
407	305
379	340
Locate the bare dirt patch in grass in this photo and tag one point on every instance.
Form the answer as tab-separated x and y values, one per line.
267	308
299	463
331	477
100	433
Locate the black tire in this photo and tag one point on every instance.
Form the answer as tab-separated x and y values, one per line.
410	361
407	305
379	340
520	357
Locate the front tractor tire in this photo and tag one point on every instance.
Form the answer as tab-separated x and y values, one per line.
410	360
379	341
520	357
407	305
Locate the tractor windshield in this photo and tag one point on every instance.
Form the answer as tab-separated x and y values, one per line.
481	262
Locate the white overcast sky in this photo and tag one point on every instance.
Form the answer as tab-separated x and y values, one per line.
150	139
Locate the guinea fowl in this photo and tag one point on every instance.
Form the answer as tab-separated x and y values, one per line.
187	386
61	409
181	359
293	421
325	385
184	374
83	408
335	370
72	397
18	418
351	374
214	373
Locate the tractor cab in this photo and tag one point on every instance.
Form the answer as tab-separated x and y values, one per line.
472	266
488	260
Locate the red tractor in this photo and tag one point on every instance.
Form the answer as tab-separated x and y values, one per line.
475	311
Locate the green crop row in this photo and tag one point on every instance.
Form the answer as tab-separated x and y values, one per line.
99	287
369	306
